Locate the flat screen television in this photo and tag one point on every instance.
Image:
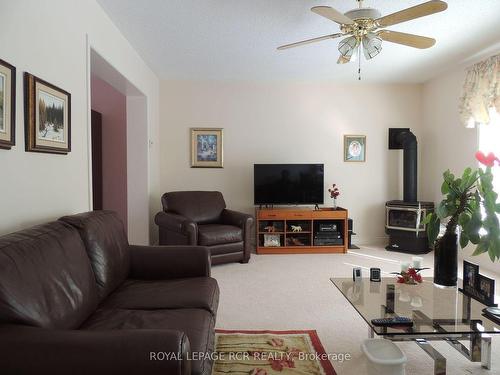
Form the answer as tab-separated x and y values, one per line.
288	184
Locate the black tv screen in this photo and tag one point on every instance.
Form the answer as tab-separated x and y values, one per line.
288	183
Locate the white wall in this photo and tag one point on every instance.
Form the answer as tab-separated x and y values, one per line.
447	144
290	123
38	187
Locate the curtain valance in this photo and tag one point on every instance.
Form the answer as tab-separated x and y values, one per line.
481	92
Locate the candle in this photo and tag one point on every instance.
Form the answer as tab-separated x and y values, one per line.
405	266
417	262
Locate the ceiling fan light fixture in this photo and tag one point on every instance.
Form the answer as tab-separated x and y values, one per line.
372	45
348	49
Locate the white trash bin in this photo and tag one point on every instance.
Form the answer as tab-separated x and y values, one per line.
385	358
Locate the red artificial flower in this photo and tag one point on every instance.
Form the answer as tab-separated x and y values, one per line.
334	191
258	371
487	160
280	364
293	352
276	342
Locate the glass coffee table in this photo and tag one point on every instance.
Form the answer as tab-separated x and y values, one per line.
437	313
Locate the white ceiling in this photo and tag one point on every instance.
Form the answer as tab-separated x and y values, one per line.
237	39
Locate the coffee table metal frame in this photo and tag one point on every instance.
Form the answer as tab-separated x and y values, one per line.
479	349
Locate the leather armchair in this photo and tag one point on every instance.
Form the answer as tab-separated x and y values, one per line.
201	218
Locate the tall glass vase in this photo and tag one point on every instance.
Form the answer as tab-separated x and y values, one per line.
445	261
334	203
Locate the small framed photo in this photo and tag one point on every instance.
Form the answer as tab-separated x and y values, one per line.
272	240
7	105
471	274
206	148
355	148
375	274
486	288
47	116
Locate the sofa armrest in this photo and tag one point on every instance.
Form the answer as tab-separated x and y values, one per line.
179	224
32	350
169	262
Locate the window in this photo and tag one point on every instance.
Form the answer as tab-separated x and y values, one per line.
489	141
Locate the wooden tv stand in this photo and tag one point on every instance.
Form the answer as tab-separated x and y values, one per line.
275	234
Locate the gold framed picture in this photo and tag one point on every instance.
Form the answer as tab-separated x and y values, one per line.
206	148
47	116
355	148
7	105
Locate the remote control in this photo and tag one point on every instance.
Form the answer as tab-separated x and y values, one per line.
396	321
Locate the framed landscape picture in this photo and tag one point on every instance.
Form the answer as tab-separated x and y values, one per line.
206	148
7	105
47	116
355	148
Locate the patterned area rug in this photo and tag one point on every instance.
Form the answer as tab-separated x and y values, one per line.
270	353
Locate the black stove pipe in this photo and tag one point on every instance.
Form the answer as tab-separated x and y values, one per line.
409	142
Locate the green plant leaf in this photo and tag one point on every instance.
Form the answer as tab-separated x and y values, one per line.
442	210
494	250
492	255
480	249
474	238
448	176
497	208
427	219
464	218
464	239
445	188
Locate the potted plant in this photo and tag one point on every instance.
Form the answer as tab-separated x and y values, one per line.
469	204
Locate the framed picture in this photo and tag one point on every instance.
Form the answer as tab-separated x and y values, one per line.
471	273
7	105
206	148
486	288
47	116
272	240
355	148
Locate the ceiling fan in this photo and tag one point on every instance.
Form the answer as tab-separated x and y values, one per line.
361	28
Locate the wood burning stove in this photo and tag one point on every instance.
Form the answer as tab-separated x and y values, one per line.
404	219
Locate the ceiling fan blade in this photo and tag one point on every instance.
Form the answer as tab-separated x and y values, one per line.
417	11
410	40
313	40
332	15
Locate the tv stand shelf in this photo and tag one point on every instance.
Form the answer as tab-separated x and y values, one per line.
275	234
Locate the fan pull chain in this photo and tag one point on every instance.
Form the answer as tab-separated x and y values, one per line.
359	63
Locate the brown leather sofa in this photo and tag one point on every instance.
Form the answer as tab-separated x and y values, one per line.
201	218
76	298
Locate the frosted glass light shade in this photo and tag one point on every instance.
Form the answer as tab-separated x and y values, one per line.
372	45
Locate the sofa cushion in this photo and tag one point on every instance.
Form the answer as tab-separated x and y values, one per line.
216	234
45	278
107	247
198	206
197	324
196	292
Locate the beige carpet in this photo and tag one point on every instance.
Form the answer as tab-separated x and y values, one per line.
293	292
